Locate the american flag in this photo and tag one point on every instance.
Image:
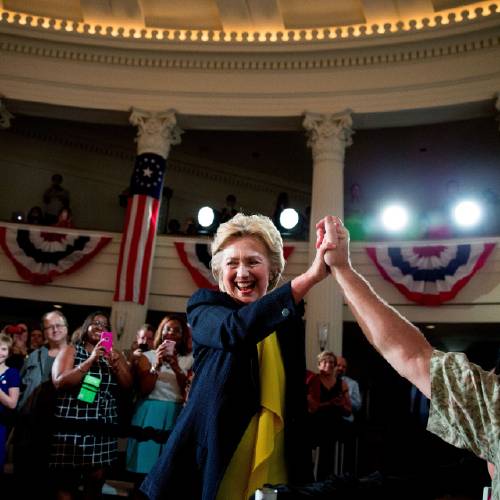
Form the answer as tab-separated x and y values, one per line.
136	248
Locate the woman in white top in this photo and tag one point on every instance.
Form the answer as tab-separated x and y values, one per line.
162	377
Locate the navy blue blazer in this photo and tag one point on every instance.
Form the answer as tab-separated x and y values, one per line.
225	393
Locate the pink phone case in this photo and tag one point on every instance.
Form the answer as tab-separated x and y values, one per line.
170	347
107	341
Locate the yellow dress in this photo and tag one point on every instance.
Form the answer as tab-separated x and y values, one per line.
260	455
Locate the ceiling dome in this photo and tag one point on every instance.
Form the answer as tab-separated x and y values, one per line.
255	64
245	21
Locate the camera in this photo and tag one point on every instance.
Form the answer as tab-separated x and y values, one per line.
17	216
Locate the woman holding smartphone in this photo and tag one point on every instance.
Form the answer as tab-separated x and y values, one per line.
87	377
162	377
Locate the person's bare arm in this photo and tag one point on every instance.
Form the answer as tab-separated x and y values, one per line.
317	272
343	401
120	368
147	379
9	400
64	372
180	376
397	340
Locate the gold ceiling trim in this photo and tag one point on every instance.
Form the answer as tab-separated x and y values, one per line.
452	17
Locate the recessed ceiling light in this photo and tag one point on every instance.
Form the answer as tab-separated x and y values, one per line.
430	327
57	306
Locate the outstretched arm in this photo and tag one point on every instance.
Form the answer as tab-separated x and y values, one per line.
394	337
317	272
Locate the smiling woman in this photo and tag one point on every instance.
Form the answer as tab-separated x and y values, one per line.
245	273
243	424
87	377
162	376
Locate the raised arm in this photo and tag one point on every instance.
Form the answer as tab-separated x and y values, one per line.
120	368
218	323
394	337
317	272
64	372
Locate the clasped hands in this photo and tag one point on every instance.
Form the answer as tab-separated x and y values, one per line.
332	238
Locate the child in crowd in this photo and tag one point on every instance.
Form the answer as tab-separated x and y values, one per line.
9	392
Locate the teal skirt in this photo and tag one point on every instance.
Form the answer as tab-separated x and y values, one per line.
142	455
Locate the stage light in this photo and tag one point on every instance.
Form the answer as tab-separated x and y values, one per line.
467	213
289	218
395	218
206	216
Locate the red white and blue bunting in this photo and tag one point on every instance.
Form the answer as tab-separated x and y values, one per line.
432	274
39	255
196	259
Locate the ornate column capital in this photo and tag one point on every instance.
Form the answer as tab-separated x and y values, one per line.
157	131
5	116
328	134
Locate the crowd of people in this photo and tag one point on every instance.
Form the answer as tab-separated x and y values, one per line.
230	392
45	376
54	437
64	400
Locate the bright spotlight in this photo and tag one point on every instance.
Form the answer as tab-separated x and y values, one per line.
467	213
395	218
206	216
289	218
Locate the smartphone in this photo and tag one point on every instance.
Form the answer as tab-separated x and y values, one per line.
107	341
170	347
143	347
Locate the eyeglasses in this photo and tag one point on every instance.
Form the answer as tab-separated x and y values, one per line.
174	329
57	326
101	324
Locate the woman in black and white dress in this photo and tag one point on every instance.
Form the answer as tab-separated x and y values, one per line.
84	455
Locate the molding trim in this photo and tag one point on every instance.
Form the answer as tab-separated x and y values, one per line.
254	62
457	17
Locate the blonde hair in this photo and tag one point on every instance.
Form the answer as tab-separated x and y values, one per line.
255	226
327	354
6	339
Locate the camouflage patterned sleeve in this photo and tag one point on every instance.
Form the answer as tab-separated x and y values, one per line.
465	405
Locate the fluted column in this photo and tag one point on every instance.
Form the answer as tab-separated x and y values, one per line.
157	132
328	137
